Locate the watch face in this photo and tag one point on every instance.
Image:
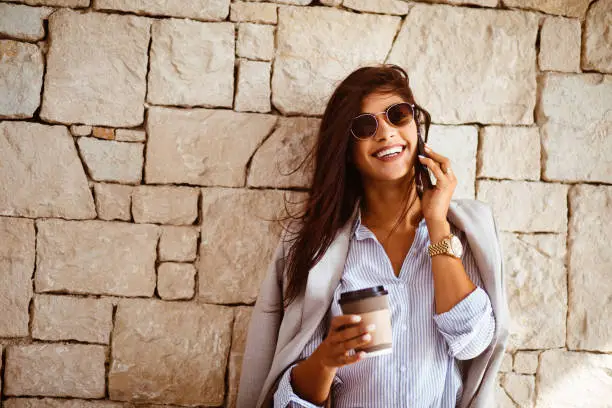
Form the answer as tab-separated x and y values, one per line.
456	246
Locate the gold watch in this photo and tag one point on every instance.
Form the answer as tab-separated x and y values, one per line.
450	245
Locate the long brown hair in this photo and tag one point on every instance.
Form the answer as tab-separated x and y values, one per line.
336	185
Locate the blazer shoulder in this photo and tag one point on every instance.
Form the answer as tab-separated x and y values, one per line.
474	207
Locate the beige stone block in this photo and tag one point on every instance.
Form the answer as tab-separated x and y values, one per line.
199	146
523	206
23	22
569	379
570	8
41	173
192	63
176	280
81	130
193	9
397	7
178	243
575	113
536	288
103	133
560	45
113	201
502	399
264	13
590	263
130	135
17	256
484	3
506	365
526	362
598	42
308	64
21	75
509	153
459	144
231	263
96	257
165	205
59	403
275	162
170	352
242	318
521	388
253	86
87	320
85	48
255	41
59	3
478	55
108	160
332	3
57	370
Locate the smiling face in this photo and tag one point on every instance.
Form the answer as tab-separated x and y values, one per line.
373	167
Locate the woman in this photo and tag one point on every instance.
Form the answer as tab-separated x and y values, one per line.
371	218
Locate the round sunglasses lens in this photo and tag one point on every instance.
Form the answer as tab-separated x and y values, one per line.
364	126
400	114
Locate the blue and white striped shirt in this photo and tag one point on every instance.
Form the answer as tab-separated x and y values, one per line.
425	368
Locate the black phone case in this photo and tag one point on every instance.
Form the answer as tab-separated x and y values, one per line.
423	179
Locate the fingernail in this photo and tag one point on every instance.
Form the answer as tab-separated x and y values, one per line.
367	337
427	147
362	354
356	319
421	157
370	327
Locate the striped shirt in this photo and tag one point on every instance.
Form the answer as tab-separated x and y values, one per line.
425	368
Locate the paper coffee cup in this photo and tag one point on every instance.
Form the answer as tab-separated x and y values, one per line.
372	304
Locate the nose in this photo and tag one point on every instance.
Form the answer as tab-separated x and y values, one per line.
385	129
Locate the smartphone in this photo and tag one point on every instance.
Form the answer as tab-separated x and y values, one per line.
422	173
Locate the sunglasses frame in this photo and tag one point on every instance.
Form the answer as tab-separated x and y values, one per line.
375	116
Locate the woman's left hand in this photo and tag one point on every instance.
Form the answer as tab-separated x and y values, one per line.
436	201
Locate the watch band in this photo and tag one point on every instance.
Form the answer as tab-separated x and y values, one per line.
440	248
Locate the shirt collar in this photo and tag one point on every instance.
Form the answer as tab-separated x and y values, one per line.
360	231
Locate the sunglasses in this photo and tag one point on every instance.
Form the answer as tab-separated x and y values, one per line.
365	125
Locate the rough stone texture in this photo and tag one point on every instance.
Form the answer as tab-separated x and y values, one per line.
108	160
397	7
130	135
58	370
536	287
81	130
176	280
521	388
526	362
59	403
598	37
560	45
199	146
85	49
590	263
575	112
283	152
502	400
170	352
523	206
113	201
178	244
165	205
70	318
484	3
103	133
41	174
193	9
231	263
332	3
568	379
96	257
257	13
23	22
308	65
192	63
242	317
570	8
459	144
478	55
21	75
16	268
255	41
253	86
509	153
506	365
59	3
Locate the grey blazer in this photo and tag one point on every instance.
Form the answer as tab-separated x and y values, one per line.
276	337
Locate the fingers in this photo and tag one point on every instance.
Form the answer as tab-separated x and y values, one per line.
439	165
343	320
352	332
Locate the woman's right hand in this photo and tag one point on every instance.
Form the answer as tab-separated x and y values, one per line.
346	333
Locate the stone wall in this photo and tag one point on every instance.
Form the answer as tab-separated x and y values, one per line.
144	144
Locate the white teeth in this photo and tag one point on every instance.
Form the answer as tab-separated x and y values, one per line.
390	151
